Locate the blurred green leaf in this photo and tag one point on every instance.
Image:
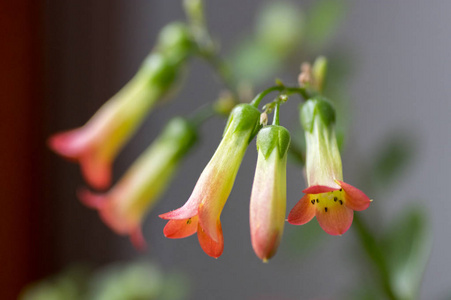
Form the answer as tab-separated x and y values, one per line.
254	63
407	246
395	154
71	284
323	20
366	293
280	27
137	281
278	33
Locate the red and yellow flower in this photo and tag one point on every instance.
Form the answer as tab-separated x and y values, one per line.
201	213
327	197
124	207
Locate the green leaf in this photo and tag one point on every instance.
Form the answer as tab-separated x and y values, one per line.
280	27
407	246
323	19
394	155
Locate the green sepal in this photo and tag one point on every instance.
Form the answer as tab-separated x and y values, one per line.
316	106
179	133
175	42
273	136
159	71
244	118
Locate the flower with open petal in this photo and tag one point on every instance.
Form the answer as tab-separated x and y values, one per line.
125	205
201	213
327	197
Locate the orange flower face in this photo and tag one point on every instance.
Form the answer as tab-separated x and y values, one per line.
334	209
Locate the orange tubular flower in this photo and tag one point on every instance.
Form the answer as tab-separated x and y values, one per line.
327	197
201	213
96	144
125	205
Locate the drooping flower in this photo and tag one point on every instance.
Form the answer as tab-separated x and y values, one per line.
96	144
201	213
327	197
126	204
268	198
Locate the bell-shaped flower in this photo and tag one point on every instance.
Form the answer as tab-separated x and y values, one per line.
96	144
126	204
269	191
201	213
327	197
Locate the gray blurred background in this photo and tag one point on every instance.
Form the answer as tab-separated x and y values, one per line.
399	83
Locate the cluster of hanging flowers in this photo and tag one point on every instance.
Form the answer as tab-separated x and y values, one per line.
124	206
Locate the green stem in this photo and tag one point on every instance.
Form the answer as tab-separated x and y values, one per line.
275	120
281	88
202	114
374	252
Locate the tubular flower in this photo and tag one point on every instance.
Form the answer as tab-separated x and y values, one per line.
268	198
125	205
327	197
96	144
201	213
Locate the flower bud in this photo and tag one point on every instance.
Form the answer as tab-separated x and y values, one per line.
125	205
268	198
319	70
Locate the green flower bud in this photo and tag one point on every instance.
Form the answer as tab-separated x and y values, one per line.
319	70
273	136
318	106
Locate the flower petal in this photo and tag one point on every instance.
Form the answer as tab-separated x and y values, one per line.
209	214
302	212
188	210
335	220
354	198
211	247
319	189
69	144
177	229
96	171
91	200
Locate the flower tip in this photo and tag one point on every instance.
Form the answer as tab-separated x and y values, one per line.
64	144
137	239
91	200
177	229
96	171
265	260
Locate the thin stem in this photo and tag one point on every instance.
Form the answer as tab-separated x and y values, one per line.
275	120
202	114
281	88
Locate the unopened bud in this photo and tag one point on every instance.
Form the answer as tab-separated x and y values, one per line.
264	119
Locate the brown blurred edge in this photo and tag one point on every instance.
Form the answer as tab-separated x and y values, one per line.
23	256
